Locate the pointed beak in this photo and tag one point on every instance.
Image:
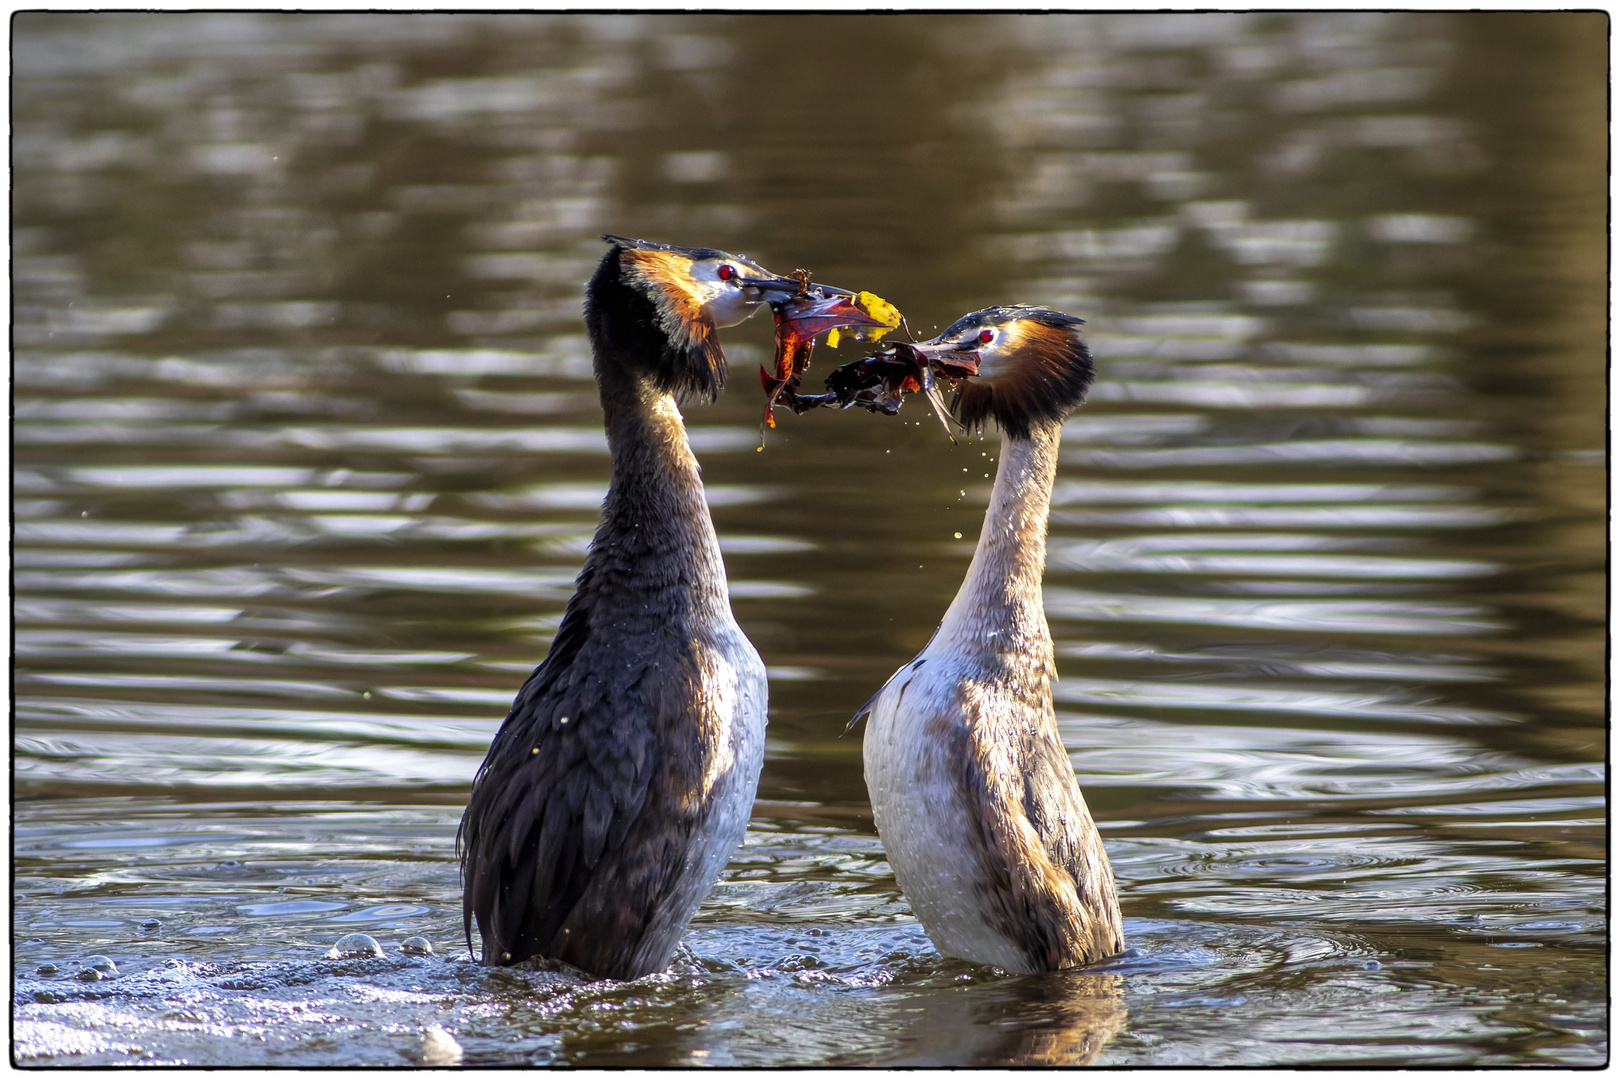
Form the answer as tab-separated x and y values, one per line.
953	360
774	290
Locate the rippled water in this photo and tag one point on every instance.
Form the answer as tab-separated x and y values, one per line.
306	454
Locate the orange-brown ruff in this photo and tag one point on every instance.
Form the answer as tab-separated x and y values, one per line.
972	791
664	278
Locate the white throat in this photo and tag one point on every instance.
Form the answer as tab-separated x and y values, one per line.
998	611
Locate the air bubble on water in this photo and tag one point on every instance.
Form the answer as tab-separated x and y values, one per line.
90	974
352	945
101	963
46	969
1371	965
416	946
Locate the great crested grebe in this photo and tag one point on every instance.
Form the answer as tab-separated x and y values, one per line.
624	774
973	794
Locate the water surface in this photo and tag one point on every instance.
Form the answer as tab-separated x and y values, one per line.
306	454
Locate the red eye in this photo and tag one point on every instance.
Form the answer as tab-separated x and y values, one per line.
987	336
727	272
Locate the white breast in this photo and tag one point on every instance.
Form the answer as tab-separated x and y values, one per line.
734	684
734	770
929	832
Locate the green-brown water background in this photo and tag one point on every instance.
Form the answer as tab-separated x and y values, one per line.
306	455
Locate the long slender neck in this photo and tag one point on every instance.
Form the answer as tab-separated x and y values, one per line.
998	614
656	535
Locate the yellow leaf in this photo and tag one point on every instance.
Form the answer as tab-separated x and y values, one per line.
879	308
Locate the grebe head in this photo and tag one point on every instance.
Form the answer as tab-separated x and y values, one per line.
1033	366
659	305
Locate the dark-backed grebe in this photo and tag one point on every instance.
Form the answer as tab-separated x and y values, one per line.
625	773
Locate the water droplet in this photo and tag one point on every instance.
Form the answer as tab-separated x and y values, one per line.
353	945
416	946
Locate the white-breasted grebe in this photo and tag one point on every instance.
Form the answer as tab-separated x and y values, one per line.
973	794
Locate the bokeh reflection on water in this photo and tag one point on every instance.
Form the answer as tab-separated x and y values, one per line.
307	454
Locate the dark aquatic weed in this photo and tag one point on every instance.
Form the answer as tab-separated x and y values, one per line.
818	309
879	382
